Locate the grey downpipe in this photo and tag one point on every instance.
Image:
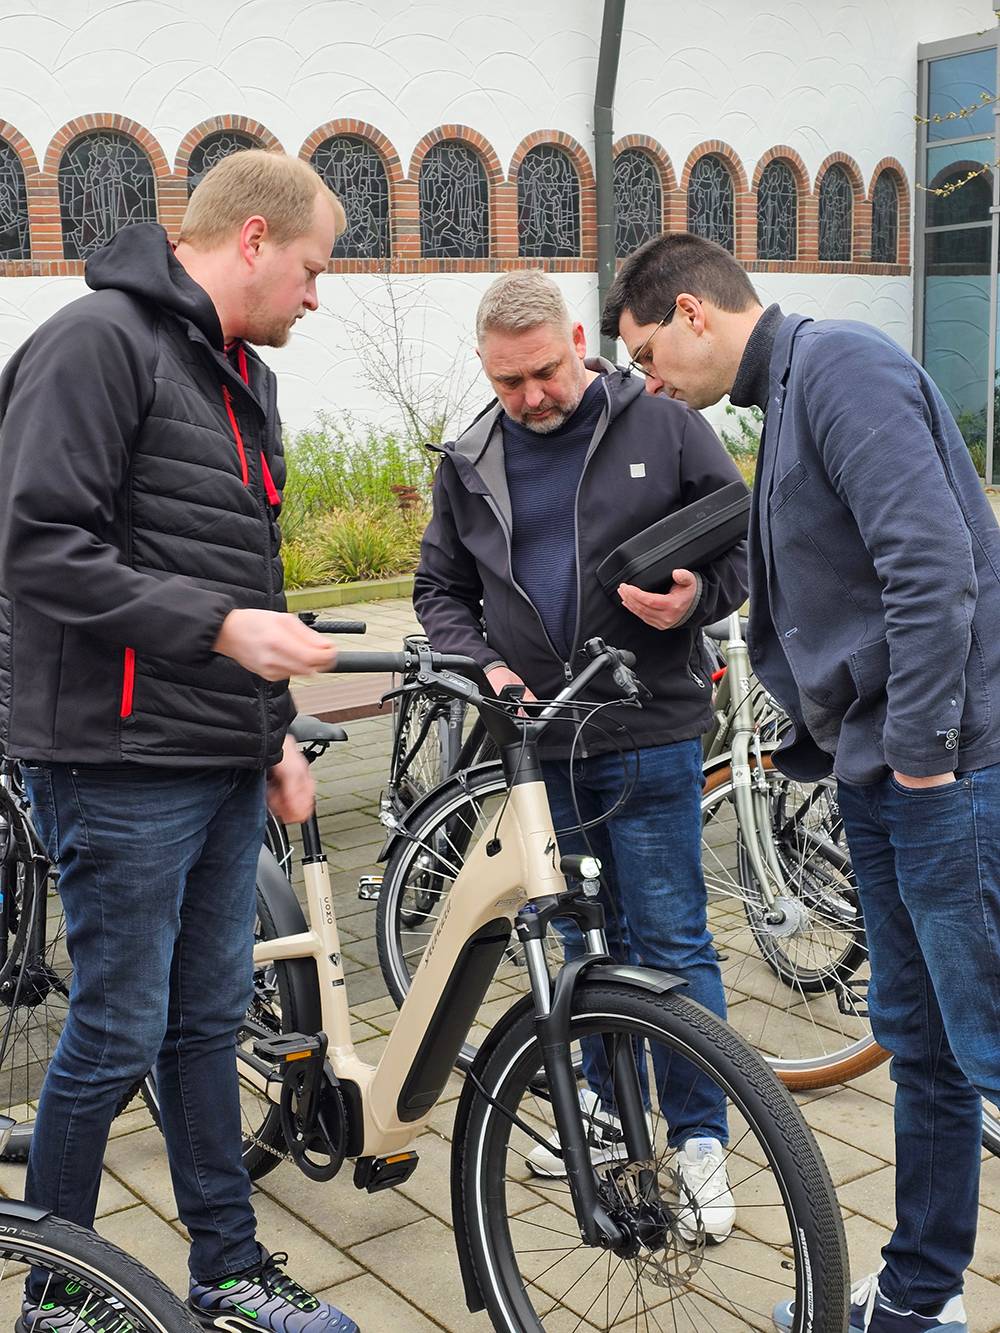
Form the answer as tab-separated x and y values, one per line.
604	167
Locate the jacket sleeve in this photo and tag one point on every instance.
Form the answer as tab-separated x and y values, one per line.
76	398
872	425
706	467
447	589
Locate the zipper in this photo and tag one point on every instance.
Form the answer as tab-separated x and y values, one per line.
128	683
567	670
598	436
237	436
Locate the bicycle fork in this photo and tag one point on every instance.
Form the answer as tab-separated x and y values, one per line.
553	1008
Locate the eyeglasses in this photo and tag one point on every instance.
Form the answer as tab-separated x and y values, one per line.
635	363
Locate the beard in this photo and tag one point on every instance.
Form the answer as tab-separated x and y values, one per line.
263	327
557	416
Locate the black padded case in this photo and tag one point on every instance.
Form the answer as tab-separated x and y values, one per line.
689	538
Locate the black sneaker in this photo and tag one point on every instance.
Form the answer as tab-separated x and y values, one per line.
71	1308
265	1298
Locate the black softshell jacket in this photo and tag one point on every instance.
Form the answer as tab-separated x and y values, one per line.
141	471
649	456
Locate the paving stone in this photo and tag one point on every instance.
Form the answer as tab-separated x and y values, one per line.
857	1119
313	1260
404	1259
139	1161
152	1241
344	1215
377	1308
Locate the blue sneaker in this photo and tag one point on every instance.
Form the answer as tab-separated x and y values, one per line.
70	1308
872	1313
265	1298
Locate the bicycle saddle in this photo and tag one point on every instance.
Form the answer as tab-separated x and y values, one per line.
305	729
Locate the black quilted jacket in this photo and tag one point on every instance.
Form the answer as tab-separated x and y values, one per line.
141	467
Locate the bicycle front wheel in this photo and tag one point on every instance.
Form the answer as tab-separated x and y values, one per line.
87	1264
534	1270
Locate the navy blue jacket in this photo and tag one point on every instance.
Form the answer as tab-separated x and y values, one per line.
874	564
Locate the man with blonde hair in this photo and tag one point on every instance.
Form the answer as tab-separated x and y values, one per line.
570	460
144	657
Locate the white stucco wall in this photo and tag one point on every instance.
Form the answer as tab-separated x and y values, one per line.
818	77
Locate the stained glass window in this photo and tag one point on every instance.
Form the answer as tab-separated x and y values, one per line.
710	201
777	213
885	219
105	183
836	215
454	203
638	201
354	172
548	205
212	149
14	235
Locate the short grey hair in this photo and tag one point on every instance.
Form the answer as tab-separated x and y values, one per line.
522	300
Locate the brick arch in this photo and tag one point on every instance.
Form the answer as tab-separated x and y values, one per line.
555	139
653	149
782	153
82	125
359	129
20	145
861	227
213	125
893	167
852	169
716	148
482	145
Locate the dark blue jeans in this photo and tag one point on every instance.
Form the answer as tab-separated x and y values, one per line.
928	871
654	901
157	869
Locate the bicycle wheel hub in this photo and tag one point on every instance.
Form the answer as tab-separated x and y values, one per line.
788	917
650	1236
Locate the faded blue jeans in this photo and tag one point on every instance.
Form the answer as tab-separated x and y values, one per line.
157	874
928	870
654	901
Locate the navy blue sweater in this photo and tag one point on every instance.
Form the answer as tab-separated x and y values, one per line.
543	473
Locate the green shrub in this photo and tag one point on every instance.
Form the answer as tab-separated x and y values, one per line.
339	466
744	442
367	543
305	566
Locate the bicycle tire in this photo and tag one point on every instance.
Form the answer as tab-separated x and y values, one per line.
18	877
785	1200
74	1254
850	1050
278	843
286	999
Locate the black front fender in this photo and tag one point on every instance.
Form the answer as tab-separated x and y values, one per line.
594	968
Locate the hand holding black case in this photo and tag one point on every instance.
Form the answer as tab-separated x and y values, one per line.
689	538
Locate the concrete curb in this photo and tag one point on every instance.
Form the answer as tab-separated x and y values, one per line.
339	594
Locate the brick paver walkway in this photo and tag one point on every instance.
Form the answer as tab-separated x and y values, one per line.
389	1259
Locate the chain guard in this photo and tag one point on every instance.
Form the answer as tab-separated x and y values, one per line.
318	1150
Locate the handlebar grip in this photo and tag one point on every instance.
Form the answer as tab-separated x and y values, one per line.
339	626
384	663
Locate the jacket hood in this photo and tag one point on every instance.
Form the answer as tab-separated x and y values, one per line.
140	260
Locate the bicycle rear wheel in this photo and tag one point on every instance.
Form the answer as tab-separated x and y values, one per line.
82	1262
533	1269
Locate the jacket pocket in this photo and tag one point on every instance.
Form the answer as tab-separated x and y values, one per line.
977	714
786	486
128	683
870	669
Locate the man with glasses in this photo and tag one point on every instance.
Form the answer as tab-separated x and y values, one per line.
875	620
568	461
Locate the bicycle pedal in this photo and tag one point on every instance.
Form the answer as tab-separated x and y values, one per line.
285	1046
369	888
382	1173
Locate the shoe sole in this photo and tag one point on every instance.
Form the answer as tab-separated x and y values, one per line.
224	1321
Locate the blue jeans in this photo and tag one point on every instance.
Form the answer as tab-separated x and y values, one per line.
157	872
654	900
928	871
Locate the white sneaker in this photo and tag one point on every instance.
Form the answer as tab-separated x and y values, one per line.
701	1165
604	1134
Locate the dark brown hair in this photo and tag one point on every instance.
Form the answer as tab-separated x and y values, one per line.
653	277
